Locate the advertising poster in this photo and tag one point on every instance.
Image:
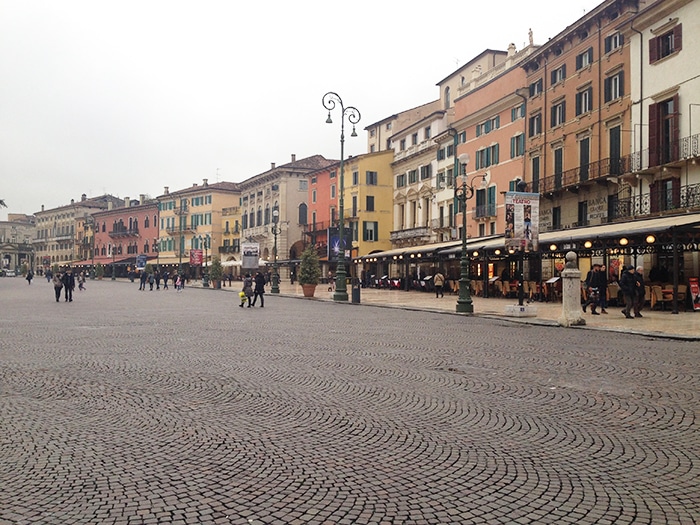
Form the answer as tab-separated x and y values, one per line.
694	287
140	262
196	257
334	243
251	255
522	221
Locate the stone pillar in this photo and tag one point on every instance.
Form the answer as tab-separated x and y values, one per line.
571	293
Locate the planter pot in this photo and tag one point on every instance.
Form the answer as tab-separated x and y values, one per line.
309	289
217	284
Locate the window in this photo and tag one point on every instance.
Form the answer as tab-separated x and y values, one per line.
412	176
556	217
303	213
559	113
585	59
332	175
535	125
402	144
584	101
332	191
401	180
613	42
369	204
355	178
259	217
614	87
584	147
388	126
449	177
414	139
303	185
487	157
535	165
583	213
517	112
536	87
559	74
354	206
488	126
441	154
313	196
450	150
666	44
558	166
664	132
463	137
426	172
370	231
426	132
372	178
517	146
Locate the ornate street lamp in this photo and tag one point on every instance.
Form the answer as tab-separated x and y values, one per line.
330	100
114	275
91	222
463	193
275	265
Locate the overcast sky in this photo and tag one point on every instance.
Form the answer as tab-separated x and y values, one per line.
126	97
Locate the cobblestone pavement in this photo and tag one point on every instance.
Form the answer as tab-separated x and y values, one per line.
129	407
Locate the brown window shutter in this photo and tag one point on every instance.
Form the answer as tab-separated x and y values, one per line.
653	50
676	190
654	197
678	38
676	131
653	135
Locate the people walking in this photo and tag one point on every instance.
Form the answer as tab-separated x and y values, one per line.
640	296
259	289
628	286
151	280
30	276
594	288
247	289
81	281
57	285
142	280
69	284
166	275
439	283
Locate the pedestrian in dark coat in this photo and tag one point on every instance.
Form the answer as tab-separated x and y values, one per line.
69	284
248	288
640	292
628	287
57	285
259	289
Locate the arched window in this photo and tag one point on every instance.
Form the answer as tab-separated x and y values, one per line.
267	214
251	219
303	213
259	218
145	222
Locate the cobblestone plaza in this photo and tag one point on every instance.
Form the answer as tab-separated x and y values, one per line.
130	407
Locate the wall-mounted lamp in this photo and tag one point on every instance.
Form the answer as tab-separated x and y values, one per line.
475	253
587	244
624	241
552	247
651	239
497	252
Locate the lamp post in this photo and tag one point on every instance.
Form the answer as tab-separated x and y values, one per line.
205	276
114	275
91	222
275	265
463	193
330	100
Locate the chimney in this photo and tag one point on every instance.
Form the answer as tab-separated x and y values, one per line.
272	165
42	207
127	202
109	205
142	198
194	184
83	197
205	182
294	157
72	201
166	190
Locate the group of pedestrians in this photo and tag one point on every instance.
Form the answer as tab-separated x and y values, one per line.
65	282
631	286
253	287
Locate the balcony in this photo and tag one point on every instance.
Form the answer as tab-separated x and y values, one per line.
124	232
573	178
668	154
662	202
485	211
318	226
177	231
441	225
422	234
182	210
229	249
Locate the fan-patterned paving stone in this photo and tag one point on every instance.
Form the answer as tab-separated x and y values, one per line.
182	408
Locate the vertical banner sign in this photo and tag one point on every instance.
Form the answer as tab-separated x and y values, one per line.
196	257
140	261
522	221
251	255
334	243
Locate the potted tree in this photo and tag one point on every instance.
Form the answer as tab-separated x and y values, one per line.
216	272
100	271
309	271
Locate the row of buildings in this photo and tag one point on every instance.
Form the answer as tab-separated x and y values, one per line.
598	122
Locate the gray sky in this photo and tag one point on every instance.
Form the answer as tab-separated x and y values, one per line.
126	97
